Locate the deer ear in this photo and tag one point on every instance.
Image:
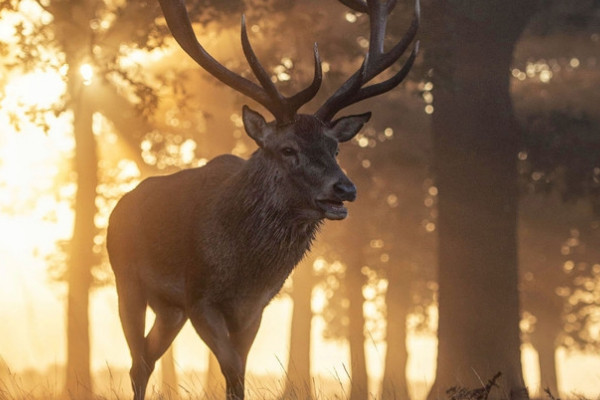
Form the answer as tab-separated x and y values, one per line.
255	125
345	128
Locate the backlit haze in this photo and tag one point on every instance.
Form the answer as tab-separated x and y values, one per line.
35	199
37	188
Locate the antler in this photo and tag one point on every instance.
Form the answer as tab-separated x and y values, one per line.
376	60
283	108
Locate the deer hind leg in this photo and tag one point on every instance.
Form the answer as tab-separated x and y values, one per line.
211	326
169	321
145	351
132	311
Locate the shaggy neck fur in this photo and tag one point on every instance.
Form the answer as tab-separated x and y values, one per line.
265	213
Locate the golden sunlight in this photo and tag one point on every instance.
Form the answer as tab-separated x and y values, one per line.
38	88
87	73
34	216
38	187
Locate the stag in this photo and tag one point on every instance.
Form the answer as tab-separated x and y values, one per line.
215	244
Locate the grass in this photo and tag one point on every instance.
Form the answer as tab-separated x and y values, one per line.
114	385
482	393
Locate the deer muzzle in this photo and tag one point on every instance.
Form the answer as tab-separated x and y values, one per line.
333	206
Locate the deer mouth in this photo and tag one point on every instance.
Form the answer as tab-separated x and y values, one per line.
333	209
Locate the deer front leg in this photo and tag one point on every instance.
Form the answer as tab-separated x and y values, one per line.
210	324
243	338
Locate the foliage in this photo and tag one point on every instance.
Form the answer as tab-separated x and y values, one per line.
59	37
559	16
559	160
581	295
562	152
561	145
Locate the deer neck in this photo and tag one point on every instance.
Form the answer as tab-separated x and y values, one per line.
258	208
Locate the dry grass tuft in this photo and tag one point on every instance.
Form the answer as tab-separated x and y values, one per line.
482	393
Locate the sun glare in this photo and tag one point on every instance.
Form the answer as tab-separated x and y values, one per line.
28	155
35	89
87	73
37	197
33	215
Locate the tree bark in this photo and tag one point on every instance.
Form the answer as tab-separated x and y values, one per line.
409	246
475	146
299	383
355	281
545	221
79	279
545	344
548	328
394	385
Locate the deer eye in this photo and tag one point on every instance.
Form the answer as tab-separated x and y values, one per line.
288	152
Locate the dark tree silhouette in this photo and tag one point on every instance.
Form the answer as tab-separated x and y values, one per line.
549	274
355	280
411	260
475	145
558	212
559	167
79	274
298	376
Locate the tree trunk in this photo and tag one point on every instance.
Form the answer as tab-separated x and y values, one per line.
546	349
169	376
394	385
215	381
129	122
78	380
545	221
298	385
355	281
409	245
547	329
475	147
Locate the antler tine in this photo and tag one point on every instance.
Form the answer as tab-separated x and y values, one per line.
356	5
391	4
286	106
385	86
283	108
304	96
378	23
399	48
260	73
376	60
336	101
180	25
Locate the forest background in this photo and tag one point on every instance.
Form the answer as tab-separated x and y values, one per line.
476	228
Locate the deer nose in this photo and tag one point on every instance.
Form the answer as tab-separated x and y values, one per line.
345	190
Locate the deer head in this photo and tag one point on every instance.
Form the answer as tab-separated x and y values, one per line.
303	147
